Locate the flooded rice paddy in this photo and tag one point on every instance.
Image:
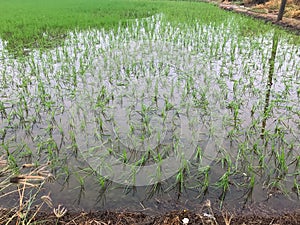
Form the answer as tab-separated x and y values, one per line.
153	115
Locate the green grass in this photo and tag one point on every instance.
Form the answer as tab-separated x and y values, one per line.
24	22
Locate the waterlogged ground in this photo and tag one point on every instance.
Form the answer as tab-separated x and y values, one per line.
154	117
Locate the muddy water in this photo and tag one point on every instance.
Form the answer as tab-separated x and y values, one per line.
120	114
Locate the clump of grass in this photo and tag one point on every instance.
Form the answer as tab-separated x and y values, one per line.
25	188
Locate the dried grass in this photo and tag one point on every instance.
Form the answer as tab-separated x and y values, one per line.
292	9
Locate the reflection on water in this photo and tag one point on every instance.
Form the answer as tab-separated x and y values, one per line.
270	80
157	116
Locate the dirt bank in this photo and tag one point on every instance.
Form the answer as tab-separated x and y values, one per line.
172	218
288	23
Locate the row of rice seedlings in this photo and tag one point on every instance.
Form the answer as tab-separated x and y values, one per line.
282	157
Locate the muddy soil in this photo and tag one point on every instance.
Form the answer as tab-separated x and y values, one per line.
171	218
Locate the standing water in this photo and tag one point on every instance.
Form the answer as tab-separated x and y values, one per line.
154	112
